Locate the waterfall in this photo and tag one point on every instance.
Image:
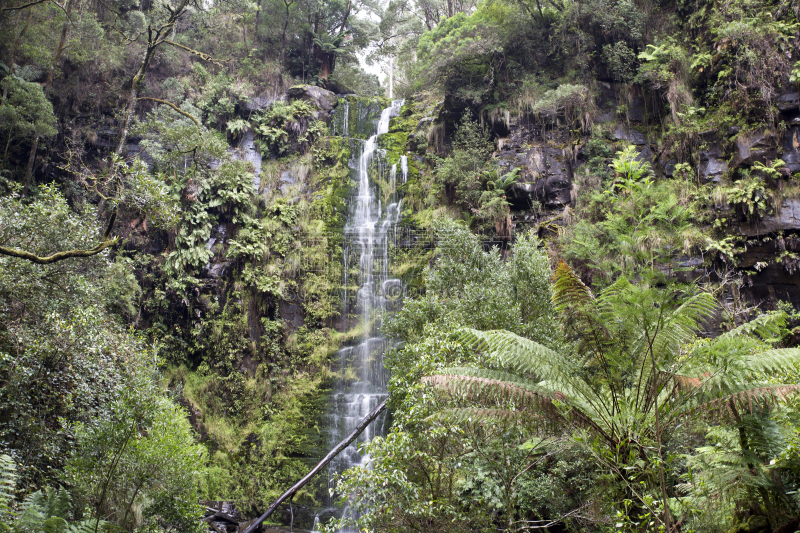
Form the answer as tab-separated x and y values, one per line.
368	235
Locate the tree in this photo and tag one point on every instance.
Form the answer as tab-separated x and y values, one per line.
633	371
24	112
437	474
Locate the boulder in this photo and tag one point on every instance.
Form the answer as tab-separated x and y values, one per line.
787	218
755	146
324	99
788	101
545	176
634	137
714	169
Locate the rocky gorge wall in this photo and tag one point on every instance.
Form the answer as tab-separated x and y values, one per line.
257	404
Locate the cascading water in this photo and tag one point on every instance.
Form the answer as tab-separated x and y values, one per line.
369	233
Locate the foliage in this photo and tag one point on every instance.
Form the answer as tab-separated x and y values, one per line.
634	223
283	124
24	112
633	370
419	475
139	464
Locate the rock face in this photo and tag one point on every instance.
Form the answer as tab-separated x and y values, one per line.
545	176
324	99
787	218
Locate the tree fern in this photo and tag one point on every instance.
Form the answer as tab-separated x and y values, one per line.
634	369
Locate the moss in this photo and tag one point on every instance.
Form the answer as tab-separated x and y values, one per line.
394	144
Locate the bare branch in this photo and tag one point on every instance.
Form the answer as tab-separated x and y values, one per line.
173	106
201	55
67	254
24	6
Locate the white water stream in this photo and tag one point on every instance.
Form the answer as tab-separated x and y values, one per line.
369	233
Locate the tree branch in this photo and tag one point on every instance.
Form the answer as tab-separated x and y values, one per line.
253	526
173	106
29	4
67	254
201	55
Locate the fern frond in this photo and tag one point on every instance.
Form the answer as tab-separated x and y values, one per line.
774	361
29	72
57	503
568	289
578	308
749	398
491	390
767	326
88	526
460	416
513	352
8	480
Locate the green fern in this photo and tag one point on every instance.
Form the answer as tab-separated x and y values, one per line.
49	511
8	480
635	370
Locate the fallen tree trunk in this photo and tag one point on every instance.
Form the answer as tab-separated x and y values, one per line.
327	459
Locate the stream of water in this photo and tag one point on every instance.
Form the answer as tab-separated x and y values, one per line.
369	232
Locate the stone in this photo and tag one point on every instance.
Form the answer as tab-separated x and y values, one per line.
324	99
633	137
788	101
714	169
605	117
260	102
792	160
545	176
636	109
756	146
787	218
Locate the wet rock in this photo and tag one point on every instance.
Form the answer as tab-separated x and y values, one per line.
792	160
545	176
787	218
791	149
605	117
217	269
788	102
634	137
755	146
714	169
260	102
291	313
324	99
636	109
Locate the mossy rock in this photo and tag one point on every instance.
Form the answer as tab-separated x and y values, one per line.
362	115
755	524
394	144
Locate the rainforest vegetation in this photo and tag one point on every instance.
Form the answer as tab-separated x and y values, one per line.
598	250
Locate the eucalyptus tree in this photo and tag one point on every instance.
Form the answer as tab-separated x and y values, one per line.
632	370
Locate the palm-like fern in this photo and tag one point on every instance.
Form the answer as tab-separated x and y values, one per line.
48	511
635	368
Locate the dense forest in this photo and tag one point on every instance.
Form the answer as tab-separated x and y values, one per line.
560	238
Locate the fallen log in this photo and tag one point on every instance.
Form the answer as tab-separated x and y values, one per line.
327	459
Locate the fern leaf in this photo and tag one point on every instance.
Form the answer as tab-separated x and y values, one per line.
766	326
750	398
459	416
512	352
8	480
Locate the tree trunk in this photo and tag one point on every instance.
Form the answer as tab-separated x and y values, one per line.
255	30
47	84
154	39
327	459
